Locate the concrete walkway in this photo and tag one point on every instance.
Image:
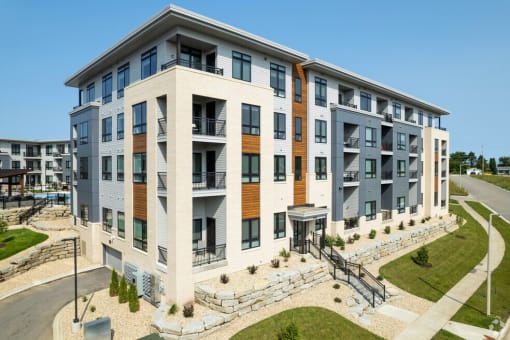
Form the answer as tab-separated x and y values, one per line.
428	324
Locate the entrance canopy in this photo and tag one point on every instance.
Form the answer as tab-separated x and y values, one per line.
9	174
307	212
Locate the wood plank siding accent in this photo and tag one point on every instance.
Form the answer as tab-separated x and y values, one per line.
299	148
250	194
139	189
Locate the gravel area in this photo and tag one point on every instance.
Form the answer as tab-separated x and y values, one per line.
199	311
56	224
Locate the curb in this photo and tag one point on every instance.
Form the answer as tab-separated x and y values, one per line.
41	282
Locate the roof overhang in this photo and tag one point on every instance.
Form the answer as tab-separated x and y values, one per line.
307	213
341	73
13	172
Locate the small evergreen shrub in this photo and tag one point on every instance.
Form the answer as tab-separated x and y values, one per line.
338	300
252	269
401	226
123	294
372	234
134	303
285	254
114	284
422	220
412	223
422	257
356	237
303	259
84	298
3	226
275	263
224	279
172	310
330	240
427	218
92	308
188	310
339	242
336	286
380	277
387	229
291	332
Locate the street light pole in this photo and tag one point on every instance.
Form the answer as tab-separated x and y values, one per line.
488	265
76	321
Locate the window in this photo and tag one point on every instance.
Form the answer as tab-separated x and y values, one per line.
251	119
401	141
49	165
401	168
251	168
107	88
139	168
140	234
80	96
420	117
320	131
122	79
279	125
68	164
49	150
15	149
139	118
320	91
370	137
436	199
297	168
401	204
250	234
16	164
277	80
429	118
436	168
84	168
370	168
320	168
107	168
68	179
107	220
365	101
197	232
120	126
191	57
84	132
84	214
120	168
396	110
121	224
297	90
197	167
370	210
279	225
91	93
241	66
279	168
436	145
320	223
298	130
49	179
149	61
106	127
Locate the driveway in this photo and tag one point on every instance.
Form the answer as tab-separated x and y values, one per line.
495	197
30	314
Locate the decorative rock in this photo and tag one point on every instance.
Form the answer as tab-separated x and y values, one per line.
171	328
224	294
212	320
193	327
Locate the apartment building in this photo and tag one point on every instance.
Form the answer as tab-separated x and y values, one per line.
199	149
49	161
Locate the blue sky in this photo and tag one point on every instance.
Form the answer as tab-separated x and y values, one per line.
452	53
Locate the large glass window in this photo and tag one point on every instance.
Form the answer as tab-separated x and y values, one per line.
197	232
320	168
84	167
49	179
121	224
139	118
297	90
420	117
84	214
298	129
401	204
370	137
320	223
401	141
250	233
49	150
370	213
279	168
320	131
251	119
149	61
83	132
401	168
107	88
120	125
15	149
120	168
429	118
106	127
122	79
49	165
107	220
297	168
140	234
91	93
15	164
370	168
279	225
277	80
397	110
197	167
139	168
241	66
279	125
107	168
320	91
191	57
365	101
251	168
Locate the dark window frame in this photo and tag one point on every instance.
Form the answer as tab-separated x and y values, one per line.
84	173
279	174
401	208
15	148
140	176
91	92
251	123
420	117
373	173
84	214
321	91
196	232
107	88
278	83
401	141
250	176
298	170
106	129
106	174
298	129
365	101
150	56
121	232
321	131
321	168
401	171
122	79
279	126
298	90
244	61
120	170
279	225
372	142
252	242
120	126
372	215
107	225
84	137
397	111
140	118
140	243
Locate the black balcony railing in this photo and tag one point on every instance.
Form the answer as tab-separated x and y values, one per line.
386	175
388	117
413	148
443	152
208	180
387	147
196	66
349	105
351	222
161	181
413	174
162	126
57	154
443	203
413	209
351	176
162	255
386	215
209	255
411	121
32	154
209	127
351	142
57	168
443	173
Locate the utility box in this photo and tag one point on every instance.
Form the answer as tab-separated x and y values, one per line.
100	329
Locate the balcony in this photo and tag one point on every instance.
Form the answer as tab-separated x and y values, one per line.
162	255
351	176
208	255
209	127
32	154
57	154
162	127
344	103
413	148
196	66
386	175
386	215
387	147
208	180
352	143
162	183
351	222
57	169
412	121
443	173
413	174
443	203
388	118
413	209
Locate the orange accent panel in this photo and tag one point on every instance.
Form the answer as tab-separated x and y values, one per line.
299	148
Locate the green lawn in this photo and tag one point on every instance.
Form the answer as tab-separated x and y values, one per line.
15	240
445	335
473	312
456	189
452	257
500	181
454	201
312	322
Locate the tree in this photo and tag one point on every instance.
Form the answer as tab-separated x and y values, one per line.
114	284
123	294
134	303
471	158
456	159
504	161
493	166
481	163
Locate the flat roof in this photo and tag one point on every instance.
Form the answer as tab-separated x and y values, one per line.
35	141
307	213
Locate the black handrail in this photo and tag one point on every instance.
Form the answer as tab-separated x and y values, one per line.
196	66
351	142
209	255
357	272
351	176
209	127
387	175
208	180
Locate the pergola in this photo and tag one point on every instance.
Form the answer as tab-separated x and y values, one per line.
9	174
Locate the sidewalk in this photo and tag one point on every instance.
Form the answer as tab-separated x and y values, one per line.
428	324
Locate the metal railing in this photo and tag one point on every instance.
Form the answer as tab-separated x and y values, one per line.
209	127
351	142
386	215
161	181
367	279
196	66
209	255
413	148
162	255
387	147
388	117
351	222
443	173
208	180
386	175
443	152
162	126
57	168
302	247
351	176
413	209
413	174
443	203
31	154
57	154
411	121
349	105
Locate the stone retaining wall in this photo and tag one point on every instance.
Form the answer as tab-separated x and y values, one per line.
374	251
230	304
40	254
11	216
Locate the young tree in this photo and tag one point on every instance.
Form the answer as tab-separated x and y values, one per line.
481	163
114	284
493	166
123	294
471	159
504	161
134	303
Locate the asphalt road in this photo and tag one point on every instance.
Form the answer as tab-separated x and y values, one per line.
495	197
30	314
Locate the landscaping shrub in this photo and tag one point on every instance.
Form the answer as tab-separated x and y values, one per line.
172	310
224	279
84	298
350	240
275	263
427	218
339	242
285	254
330	240
422	257
123	294
92	308
134	303
114	284
252	269
422	220
303	259
387	229
291	332
380	277
338	300
336	286
372	234
356	237
188	310
401	226
412	222
3	226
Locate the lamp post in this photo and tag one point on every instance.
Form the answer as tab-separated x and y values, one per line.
488	265
76	321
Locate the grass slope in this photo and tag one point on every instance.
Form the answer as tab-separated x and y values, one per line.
452	257
445	335
473	312
500	181
16	240
313	323
456	189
